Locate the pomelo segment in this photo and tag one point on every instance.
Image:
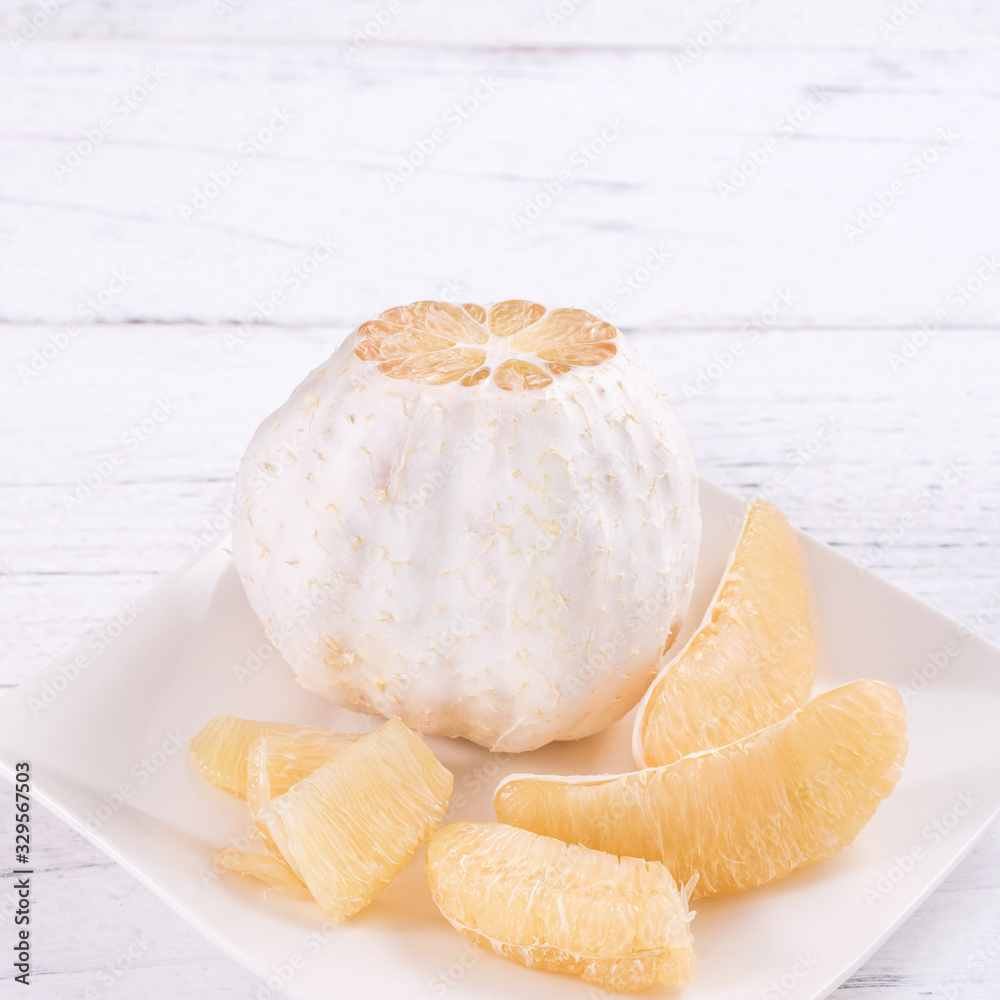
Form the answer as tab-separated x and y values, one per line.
265	868
788	796
621	923
752	661
352	825
277	761
219	749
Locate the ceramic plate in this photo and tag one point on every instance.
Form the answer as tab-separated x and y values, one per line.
105	729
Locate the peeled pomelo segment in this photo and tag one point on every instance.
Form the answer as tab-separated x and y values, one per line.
436	367
276	761
508	317
515	373
621	923
219	749
752	661
272	871
476	377
478	313
584	354
384	341
788	796
443	319
560	327
352	825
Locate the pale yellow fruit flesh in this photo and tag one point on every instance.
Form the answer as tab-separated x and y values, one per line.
265	868
352	825
751	663
621	923
219	749
788	796
276	761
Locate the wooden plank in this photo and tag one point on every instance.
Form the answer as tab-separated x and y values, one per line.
664	219
701	24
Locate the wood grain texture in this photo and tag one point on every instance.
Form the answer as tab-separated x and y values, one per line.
891	435
525	174
962	25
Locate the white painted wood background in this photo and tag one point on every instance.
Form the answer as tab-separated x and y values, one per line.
174	331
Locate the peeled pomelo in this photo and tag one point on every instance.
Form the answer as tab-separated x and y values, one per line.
481	520
752	661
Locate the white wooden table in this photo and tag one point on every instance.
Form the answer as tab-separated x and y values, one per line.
777	187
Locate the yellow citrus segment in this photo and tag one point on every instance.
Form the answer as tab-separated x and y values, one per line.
509	317
519	374
276	761
219	749
742	815
272	871
384	341
752	661
437	343
352	825
435	367
475	377
621	923
563	327
478	313
443	319
585	354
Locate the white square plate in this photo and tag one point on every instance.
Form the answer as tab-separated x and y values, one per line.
105	729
